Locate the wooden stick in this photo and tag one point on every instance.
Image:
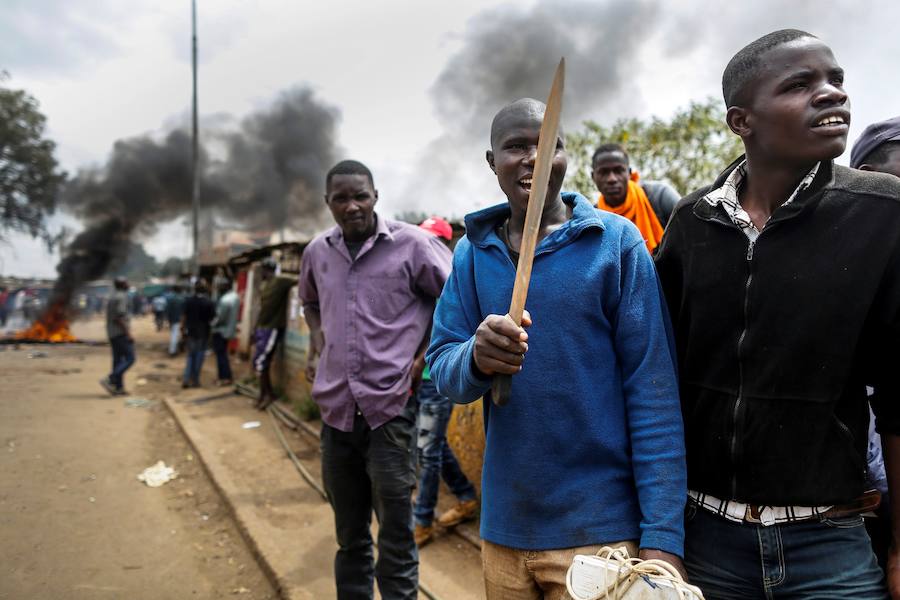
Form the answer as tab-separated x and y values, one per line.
543	162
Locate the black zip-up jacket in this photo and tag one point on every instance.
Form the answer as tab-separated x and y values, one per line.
778	340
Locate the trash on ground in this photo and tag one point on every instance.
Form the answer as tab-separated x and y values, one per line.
240	590
136	402
251	424
157	475
92	499
142	381
38	354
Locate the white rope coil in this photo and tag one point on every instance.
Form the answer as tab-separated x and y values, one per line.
628	572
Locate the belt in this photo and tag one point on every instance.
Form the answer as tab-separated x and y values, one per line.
868	502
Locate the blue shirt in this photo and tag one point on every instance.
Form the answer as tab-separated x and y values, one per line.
590	448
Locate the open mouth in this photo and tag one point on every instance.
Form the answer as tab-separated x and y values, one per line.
525	184
832	124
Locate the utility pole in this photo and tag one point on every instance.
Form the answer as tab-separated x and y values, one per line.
195	157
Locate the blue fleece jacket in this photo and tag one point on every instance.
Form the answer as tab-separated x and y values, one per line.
590	448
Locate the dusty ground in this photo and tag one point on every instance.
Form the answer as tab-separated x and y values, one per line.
76	523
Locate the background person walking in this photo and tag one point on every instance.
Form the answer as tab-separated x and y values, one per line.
120	341
436	459
174	312
199	311
225	328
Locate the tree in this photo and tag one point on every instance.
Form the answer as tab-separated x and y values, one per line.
136	266
29	174
413	217
175	267
689	150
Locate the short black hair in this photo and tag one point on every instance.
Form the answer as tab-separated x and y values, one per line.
348	167
744	66
881	154
609	149
523	108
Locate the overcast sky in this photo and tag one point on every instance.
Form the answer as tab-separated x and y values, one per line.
416	83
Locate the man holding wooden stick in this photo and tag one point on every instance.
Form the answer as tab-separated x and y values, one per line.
589	450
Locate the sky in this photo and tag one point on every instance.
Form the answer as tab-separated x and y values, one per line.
414	84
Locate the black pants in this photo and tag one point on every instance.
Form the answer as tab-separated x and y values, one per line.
220	347
122	359
365	470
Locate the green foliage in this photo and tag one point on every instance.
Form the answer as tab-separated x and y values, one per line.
307	409
137	266
413	217
689	150
175	267
29	174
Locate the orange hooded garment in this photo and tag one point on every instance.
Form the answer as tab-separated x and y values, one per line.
637	209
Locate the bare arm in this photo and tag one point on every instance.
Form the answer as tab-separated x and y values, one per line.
418	363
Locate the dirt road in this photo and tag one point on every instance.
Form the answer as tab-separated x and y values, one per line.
76	522
78	525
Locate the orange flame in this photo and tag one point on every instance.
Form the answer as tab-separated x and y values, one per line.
52	326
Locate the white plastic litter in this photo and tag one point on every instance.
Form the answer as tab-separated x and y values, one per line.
251	425
157	475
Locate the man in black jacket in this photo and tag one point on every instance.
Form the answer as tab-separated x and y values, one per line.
783	283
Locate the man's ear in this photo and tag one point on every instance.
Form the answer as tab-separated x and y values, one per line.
325	197
739	121
489	157
866	167
376	197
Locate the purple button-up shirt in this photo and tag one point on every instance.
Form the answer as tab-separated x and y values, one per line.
375	312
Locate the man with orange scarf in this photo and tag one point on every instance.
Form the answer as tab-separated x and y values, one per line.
648	204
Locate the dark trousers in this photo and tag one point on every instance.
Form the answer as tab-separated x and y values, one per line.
220	347
827	559
196	352
365	470
122	359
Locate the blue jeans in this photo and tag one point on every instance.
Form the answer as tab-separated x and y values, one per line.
196	351
220	347
808	560
122	359
373	469
436	459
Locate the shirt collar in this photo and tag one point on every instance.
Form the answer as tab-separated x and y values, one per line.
336	235
727	196
480	225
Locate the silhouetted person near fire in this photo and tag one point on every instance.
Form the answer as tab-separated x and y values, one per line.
4	297
118	329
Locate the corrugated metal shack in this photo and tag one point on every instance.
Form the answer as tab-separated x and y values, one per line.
290	363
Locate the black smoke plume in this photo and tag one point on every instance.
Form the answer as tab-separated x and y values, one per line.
265	174
509	53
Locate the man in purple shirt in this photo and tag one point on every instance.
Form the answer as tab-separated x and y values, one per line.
368	288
